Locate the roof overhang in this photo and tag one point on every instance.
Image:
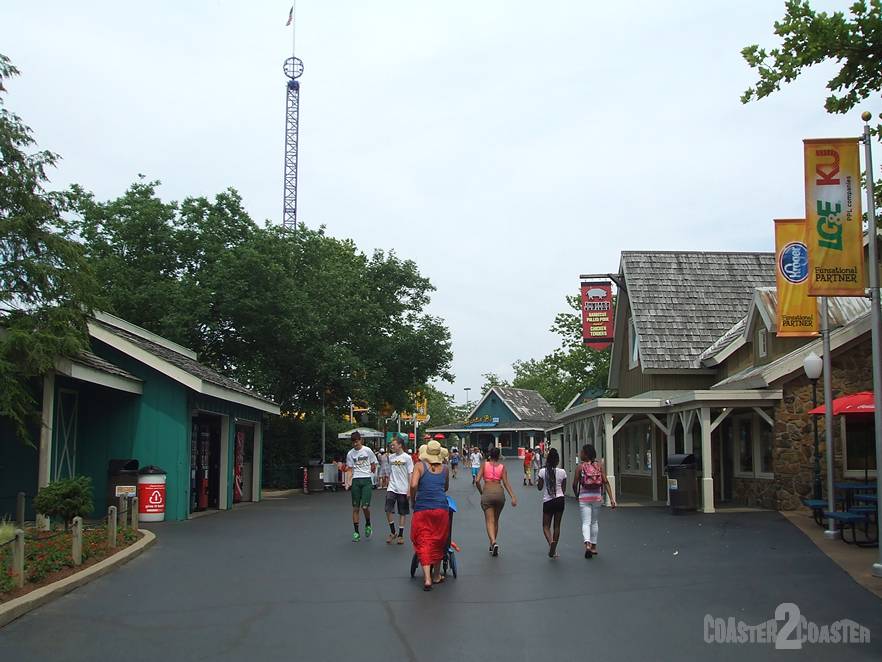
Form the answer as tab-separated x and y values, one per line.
177	374
84	373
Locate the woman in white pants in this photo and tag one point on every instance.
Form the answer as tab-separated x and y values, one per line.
588	485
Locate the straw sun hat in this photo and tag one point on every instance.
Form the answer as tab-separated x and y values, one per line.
433	453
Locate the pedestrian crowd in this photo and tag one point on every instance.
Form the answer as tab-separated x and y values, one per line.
416	485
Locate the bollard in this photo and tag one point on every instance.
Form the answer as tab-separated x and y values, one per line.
18	555
20	510
76	546
121	512
134	519
43	523
111	526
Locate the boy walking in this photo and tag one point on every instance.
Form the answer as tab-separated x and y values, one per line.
361	462
400	469
475	460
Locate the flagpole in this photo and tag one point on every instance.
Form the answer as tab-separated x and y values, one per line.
293	27
876	317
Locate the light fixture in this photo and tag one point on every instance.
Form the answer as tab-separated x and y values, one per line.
813	365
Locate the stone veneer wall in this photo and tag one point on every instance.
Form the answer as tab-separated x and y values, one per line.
793	451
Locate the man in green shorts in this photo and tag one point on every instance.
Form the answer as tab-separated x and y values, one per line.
361	461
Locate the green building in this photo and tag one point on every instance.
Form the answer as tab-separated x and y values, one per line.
139	396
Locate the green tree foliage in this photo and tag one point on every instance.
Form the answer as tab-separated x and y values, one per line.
290	314
568	370
65	499
808	38
46	286
491	379
442	407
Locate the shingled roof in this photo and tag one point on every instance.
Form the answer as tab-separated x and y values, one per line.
527	405
682	302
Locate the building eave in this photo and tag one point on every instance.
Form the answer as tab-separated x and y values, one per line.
83	373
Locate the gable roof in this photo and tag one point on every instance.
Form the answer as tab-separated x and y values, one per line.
683	301
175	361
525	404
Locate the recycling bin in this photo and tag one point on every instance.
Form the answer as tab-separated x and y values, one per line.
151	494
682	482
122	479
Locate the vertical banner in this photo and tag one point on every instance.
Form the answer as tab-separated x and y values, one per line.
797	311
834	235
597	315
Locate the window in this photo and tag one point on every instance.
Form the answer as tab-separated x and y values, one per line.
634	449
753	439
633	344
762	343
860	448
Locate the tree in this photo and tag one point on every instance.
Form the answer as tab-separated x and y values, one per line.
808	38
491	379
46	287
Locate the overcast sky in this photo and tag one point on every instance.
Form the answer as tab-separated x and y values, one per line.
507	147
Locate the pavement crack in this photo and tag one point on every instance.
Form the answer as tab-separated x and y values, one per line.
411	655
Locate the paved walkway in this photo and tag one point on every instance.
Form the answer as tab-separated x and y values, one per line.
281	580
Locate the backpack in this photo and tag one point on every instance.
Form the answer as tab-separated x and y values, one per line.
591	474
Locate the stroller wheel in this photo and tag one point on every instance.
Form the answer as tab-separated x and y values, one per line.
452	556
444	566
414	562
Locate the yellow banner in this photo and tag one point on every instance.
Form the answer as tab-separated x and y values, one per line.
833	217
797	311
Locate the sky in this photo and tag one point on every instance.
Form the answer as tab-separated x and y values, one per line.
505	146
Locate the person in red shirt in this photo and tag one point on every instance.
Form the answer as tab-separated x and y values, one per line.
528	467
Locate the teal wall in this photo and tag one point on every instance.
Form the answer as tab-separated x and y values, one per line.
18	468
495	408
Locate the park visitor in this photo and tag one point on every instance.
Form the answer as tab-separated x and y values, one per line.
430	525
383	470
491	478
537	460
588	485
361	463
552	482
400	469
528	467
454	461
475	458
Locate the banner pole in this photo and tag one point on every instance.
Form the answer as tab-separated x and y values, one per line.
831	532
876	329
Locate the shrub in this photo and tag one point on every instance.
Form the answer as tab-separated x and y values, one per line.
66	499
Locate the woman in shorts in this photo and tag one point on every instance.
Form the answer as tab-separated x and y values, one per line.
552	482
492	477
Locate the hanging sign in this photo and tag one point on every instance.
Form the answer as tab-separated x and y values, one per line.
597	314
834	235
797	312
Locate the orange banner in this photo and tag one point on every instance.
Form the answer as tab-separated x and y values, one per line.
834	235
797	312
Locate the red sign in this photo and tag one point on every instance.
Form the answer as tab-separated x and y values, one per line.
151	498
597	314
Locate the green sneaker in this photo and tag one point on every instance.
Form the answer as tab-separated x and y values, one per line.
355	536
368	531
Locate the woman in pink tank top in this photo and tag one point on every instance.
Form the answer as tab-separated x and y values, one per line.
492	477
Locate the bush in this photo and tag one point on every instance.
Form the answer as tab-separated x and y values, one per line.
66	499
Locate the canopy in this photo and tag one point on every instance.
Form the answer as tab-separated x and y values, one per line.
856	403
439	437
366	433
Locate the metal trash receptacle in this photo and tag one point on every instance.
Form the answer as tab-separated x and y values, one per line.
316	482
122	479
682	482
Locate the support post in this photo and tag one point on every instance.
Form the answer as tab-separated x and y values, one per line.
44	469
121	512
830	533
608	457
18	555
672	446
134	518
876	316
111	526
20	510
707	477
76	546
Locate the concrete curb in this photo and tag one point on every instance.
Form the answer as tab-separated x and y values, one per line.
20	606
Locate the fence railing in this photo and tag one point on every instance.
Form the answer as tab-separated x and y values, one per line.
123	515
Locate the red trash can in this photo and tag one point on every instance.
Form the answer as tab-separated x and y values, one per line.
151	494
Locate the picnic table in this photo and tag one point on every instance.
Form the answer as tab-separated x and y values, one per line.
867	498
849	490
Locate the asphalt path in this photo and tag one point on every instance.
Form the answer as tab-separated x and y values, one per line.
281	580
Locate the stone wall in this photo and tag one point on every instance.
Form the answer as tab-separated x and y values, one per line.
793	452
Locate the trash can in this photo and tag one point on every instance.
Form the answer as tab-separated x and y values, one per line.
314	476
682	482
151	494
122	479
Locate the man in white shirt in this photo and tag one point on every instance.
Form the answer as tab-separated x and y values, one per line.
361	462
475	460
400	469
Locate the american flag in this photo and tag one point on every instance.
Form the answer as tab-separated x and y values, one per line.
290	16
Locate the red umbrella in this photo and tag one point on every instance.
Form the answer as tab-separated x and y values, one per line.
439	437
856	403
411	436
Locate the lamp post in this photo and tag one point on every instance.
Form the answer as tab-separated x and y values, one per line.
467	389
813	365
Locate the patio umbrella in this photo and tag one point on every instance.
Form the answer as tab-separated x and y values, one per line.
856	404
439	437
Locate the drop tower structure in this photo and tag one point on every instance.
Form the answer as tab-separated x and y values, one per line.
293	68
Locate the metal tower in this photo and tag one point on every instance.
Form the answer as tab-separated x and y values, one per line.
293	69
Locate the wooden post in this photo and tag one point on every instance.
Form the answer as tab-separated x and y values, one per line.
76	547
20	510
121	512
18	555
134	519
111	526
